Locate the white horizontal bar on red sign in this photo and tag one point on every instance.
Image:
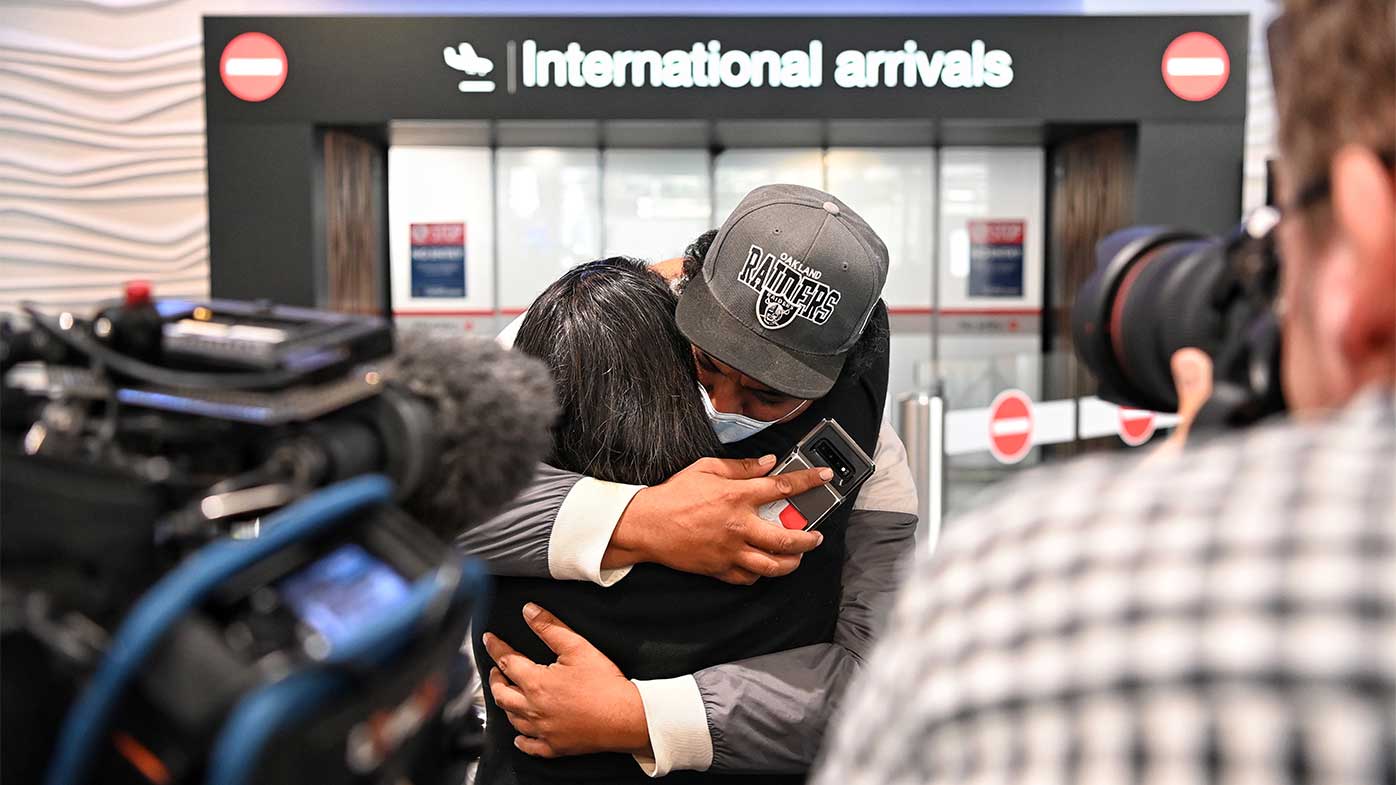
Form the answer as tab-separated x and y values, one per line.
1196	66
253	66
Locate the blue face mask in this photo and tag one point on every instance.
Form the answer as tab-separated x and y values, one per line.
732	428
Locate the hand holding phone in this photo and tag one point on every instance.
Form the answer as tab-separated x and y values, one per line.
827	444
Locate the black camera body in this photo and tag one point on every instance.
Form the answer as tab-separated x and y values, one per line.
1157	290
205	574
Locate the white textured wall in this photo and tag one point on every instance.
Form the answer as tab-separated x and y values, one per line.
102	175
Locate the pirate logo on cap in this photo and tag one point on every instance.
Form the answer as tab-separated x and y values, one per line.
786	289
774	310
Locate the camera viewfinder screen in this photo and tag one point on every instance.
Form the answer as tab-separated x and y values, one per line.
342	591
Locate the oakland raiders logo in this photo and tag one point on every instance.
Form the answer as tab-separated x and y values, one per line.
785	289
774	311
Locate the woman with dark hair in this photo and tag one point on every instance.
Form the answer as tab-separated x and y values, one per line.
628	394
629	412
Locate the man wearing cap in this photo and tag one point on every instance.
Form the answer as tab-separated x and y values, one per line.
775	302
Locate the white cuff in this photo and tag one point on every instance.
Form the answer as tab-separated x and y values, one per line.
678	726
583	529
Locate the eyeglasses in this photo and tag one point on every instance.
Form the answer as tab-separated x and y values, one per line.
1320	188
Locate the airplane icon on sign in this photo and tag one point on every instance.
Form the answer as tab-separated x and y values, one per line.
464	59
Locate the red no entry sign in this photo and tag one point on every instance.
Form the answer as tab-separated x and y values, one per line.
253	66
1196	66
1010	426
1136	425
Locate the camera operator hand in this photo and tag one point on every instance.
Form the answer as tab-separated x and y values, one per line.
1192	378
703	520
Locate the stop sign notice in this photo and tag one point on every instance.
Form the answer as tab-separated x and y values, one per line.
1136	426
1196	66
253	66
1010	426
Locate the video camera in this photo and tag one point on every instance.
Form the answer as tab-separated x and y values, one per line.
206	573
1157	290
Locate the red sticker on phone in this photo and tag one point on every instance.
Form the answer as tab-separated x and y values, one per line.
791	518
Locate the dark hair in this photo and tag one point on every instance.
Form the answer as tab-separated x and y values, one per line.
872	344
624	373
695	253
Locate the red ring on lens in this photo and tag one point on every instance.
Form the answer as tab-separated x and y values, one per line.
1117	304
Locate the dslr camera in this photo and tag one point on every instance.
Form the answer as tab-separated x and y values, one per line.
1157	290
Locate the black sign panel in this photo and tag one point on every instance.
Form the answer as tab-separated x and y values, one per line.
369	70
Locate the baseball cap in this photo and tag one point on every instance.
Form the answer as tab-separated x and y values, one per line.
787	287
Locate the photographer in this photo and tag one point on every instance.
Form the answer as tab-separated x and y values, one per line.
1226	616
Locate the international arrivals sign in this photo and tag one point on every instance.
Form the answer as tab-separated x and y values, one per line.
370	70
708	64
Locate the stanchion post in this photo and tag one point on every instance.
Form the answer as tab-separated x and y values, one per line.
922	430
936	501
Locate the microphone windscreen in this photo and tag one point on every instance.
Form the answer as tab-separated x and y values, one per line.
494	410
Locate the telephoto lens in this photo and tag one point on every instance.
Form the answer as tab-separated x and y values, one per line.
1157	290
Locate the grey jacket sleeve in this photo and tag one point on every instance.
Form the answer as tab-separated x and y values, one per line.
768	713
515	542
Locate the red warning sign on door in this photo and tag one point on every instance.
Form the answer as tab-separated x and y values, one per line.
1196	66
253	67
1010	426
1136	425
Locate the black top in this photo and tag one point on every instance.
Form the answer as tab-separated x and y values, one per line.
660	623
